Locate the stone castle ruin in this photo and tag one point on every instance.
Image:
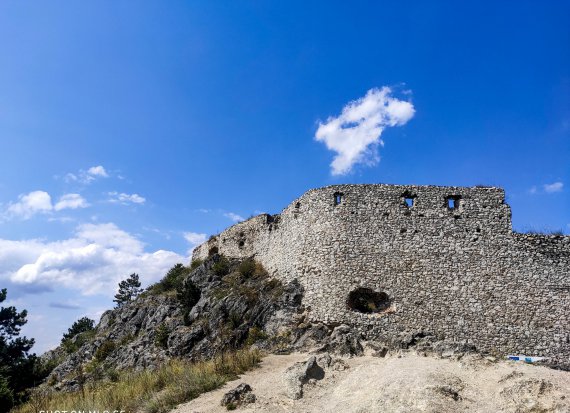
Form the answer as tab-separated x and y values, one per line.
389	259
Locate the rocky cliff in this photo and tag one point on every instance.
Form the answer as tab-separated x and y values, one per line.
221	305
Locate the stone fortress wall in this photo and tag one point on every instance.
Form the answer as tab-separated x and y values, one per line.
444	260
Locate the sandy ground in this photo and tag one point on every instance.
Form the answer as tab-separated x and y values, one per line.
402	383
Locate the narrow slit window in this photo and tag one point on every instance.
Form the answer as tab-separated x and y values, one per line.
337	198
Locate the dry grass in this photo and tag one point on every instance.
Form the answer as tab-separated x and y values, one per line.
148	391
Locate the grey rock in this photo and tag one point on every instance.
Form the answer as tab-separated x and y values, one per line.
296	376
242	394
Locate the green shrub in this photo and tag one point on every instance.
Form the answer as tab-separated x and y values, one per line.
104	350
71	345
161	337
195	264
126	339
188	295
171	281
113	375
222	267
254	335
234	320
247	268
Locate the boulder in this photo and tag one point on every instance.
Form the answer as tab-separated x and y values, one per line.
242	394
296	376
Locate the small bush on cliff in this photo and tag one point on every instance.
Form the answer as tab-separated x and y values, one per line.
78	334
188	295
254	335
80	326
195	264
221	267
104	350
73	344
251	269
172	281
247	268
161	337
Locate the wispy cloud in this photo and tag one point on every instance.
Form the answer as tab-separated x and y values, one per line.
88	176
39	202
126	199
355	134
553	187
547	188
64	306
234	217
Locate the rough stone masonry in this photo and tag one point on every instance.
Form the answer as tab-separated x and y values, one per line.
387	259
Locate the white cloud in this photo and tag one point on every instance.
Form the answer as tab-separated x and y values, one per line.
234	217
70	201
39	202
30	204
355	134
93	261
88	176
126	199
98	171
554	187
194	239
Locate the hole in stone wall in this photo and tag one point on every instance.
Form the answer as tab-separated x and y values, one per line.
212	251
365	300
452	201
408	199
298	205
241	243
338	198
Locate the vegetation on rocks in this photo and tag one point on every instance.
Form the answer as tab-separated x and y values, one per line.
147	391
197	314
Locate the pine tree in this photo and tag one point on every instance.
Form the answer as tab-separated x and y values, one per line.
128	290
16	365
80	326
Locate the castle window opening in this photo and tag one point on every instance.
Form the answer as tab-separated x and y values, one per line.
212	251
408	199
338	198
453	201
366	300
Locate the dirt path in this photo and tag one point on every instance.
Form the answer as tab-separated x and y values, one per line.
405	383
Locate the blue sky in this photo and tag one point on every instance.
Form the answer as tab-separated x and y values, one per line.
131	130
